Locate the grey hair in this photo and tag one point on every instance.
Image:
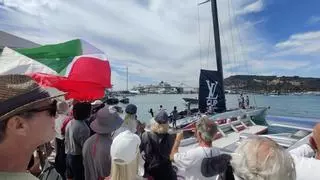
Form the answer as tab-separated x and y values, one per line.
62	107
260	158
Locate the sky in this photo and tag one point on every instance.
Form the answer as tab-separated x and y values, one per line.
171	40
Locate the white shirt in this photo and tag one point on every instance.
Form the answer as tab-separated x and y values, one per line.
189	163
58	124
307	168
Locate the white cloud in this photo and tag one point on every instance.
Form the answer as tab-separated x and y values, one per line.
253	7
313	20
157	39
268	65
307	43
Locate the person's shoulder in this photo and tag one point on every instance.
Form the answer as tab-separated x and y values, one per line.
215	151
90	140
192	153
17	176
61	117
196	150
145	136
202	152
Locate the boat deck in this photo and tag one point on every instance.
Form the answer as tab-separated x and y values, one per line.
228	137
235	136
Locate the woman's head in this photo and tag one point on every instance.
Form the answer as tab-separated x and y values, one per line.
131	122
160	128
125	154
160	125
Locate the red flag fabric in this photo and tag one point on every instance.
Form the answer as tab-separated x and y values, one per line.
91	69
78	90
87	80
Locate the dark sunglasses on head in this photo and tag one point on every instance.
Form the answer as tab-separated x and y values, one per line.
51	108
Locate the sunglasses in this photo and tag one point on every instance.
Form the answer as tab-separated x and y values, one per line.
51	108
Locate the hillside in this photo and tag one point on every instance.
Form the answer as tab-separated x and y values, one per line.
263	84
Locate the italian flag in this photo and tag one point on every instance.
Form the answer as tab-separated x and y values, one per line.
75	67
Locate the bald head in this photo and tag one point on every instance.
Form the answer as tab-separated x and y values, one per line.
261	158
316	135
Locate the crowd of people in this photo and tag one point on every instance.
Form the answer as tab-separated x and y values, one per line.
92	142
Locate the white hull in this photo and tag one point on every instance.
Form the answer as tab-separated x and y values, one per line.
256	114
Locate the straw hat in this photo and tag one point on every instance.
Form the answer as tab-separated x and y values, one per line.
19	93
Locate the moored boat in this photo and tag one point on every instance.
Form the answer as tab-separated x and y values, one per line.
191	100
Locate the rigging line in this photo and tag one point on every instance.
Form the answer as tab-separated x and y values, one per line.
226	46
241	50
199	34
234	54
228	59
209	43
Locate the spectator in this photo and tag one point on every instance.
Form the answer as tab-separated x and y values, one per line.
306	157
247	102
60	159
26	121
260	158
189	163
175	115
96	150
130	122
151	112
140	128
125	157
161	108
157	146
77	132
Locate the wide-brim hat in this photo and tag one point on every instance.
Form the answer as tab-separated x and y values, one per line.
19	93
107	120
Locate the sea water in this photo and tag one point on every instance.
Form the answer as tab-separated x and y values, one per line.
289	105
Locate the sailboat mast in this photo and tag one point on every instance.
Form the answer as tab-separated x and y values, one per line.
216	31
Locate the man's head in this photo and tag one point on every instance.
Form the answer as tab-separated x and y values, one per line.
27	112
206	130
175	107
81	111
316	135
260	158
